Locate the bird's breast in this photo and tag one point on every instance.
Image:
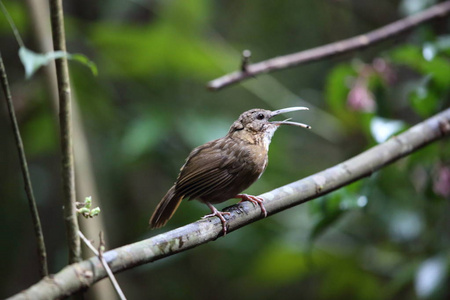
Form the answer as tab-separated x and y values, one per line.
252	155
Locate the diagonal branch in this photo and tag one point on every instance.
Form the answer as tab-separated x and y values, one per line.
65	120
81	275
333	49
104	263
42	253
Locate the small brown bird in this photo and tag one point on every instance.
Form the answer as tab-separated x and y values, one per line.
221	169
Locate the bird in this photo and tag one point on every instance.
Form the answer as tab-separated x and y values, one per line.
221	169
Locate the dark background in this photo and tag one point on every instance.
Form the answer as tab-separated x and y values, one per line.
384	237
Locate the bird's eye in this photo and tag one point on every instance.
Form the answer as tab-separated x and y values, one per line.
260	116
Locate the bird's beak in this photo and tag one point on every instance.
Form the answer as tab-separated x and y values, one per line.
287	122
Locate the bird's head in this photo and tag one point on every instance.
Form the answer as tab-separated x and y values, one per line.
256	122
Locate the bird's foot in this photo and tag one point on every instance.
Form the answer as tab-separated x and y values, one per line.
254	200
219	214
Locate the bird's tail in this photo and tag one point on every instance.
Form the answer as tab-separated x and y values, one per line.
165	209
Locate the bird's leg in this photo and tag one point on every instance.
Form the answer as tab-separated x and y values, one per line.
219	214
254	200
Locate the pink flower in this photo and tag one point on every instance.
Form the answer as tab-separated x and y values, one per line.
360	98
441	184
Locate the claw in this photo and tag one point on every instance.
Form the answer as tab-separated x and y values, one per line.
219	214
254	200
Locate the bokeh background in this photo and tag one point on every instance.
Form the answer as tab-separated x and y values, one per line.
384	237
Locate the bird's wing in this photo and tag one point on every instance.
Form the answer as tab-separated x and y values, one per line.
208	168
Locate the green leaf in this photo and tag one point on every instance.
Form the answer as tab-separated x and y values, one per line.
32	61
430	65
88	202
94	212
85	210
424	99
85	61
337	91
336	87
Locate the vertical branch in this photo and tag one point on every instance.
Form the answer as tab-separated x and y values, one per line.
43	269
39	15
65	119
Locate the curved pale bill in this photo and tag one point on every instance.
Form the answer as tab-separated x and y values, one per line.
286	122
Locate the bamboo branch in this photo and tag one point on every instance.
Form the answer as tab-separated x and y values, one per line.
81	275
333	49
42	253
65	119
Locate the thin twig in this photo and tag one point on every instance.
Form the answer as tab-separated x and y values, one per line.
333	49
245	60
99	254
65	119
42	253
78	276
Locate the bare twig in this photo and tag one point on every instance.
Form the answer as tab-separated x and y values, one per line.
333	49
43	269
65	119
99	254
245	60
81	275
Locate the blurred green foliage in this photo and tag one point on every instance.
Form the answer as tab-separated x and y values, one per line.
384	237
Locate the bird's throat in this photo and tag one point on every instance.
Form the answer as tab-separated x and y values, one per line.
260	138
268	134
